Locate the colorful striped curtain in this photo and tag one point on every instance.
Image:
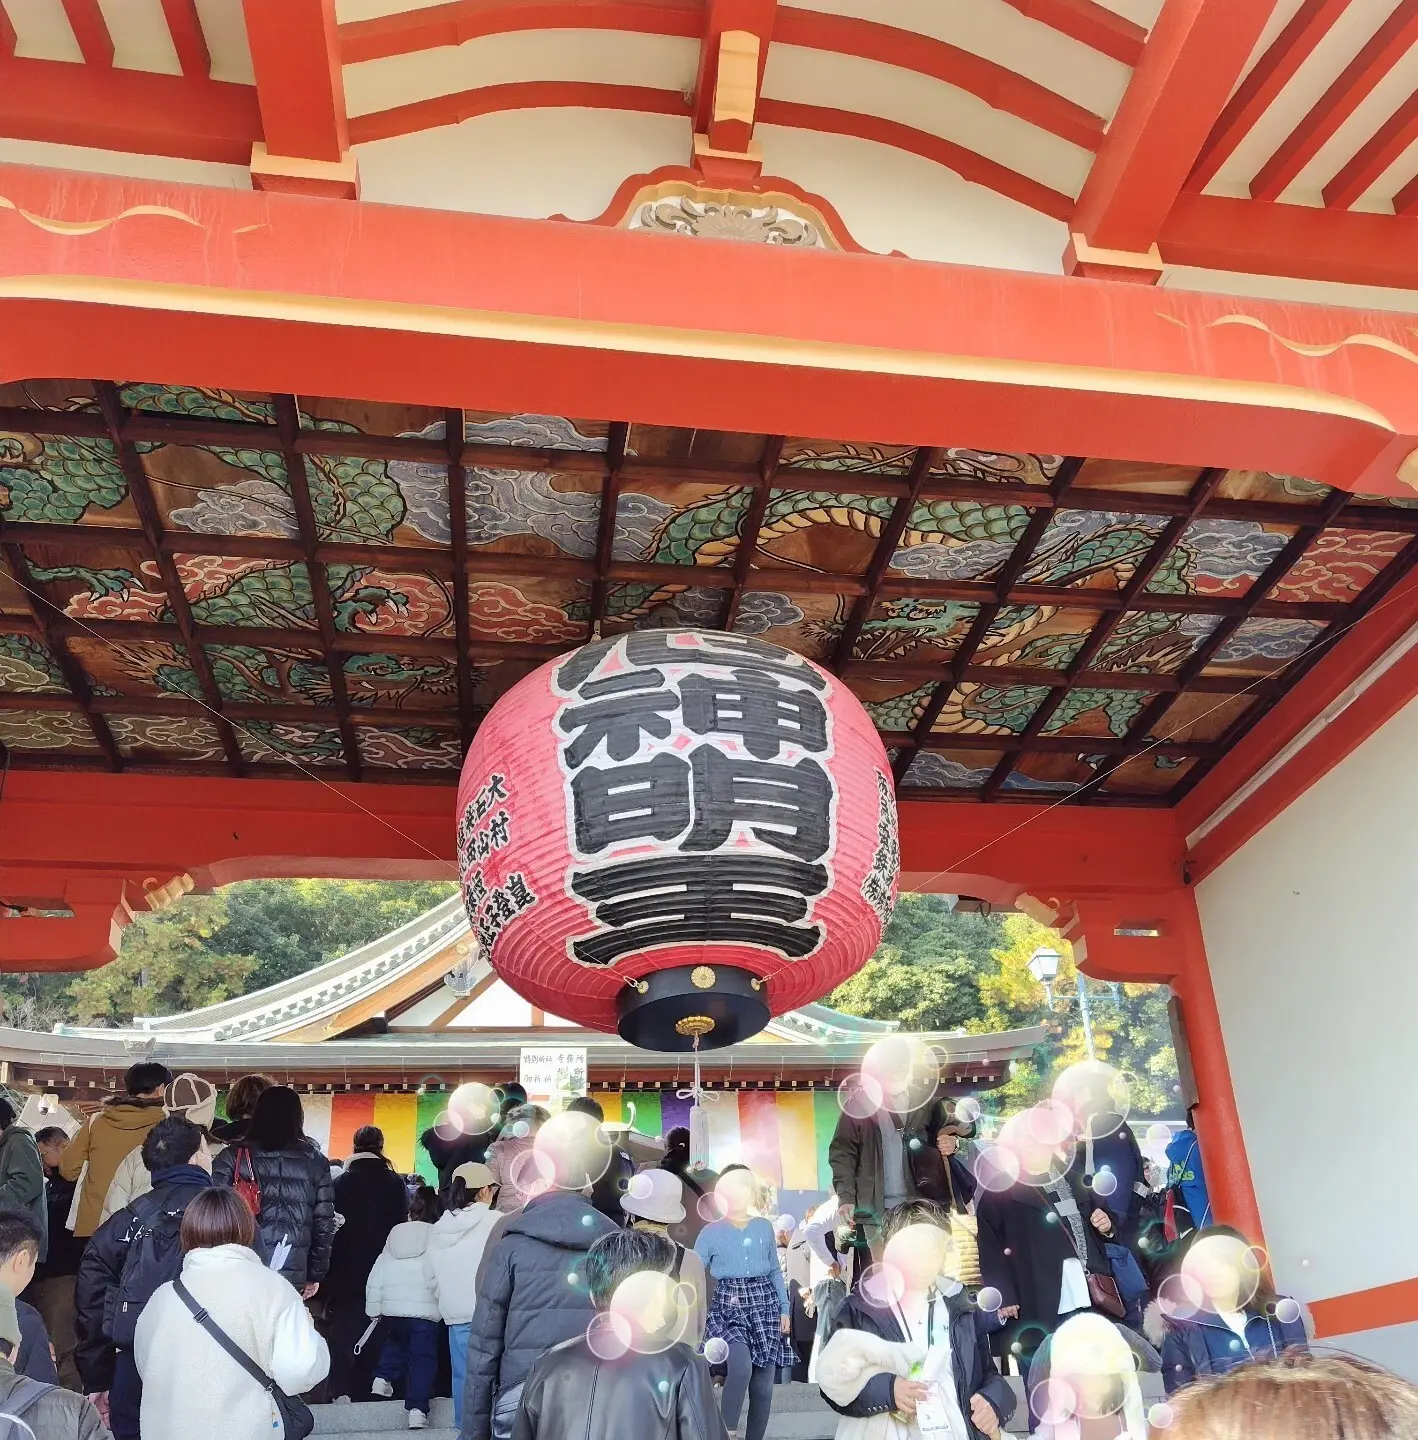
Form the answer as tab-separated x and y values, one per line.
782	1136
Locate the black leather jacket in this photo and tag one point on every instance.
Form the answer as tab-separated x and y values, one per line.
571	1395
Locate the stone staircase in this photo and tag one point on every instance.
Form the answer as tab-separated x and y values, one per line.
799	1413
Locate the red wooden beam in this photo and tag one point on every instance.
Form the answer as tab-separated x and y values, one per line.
1193	58
296	56
1389	44
1396	134
996	85
569	319
464	20
188	38
91	31
1219	233
966	163
755	16
8	38
128	110
1406	201
1090	24
1269	76
515	95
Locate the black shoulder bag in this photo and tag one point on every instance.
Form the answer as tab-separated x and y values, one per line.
295	1413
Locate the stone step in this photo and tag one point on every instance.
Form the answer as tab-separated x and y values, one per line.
379	1417
430	1434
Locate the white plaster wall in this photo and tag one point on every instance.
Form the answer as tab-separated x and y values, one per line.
891	200
532	163
1315	964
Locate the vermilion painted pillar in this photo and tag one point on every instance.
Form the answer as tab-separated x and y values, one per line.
1176	956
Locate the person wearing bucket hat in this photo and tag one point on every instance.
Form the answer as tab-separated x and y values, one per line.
455	1252
193	1098
654	1201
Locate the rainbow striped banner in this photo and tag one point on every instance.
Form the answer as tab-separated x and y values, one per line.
783	1136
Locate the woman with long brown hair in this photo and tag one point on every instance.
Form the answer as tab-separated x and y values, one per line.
1300	1396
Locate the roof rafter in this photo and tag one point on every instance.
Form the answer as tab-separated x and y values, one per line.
86	20
1155	712
1133	593
1384	49
149	517
1268	77
617	437
188	38
288	424
455	436
747	548
925	460
73	673
989	611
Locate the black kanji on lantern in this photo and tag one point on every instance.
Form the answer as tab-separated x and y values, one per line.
645	801
692	746
649	648
621	710
753	706
786	806
676	900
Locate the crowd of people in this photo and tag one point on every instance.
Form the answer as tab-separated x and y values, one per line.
555	1300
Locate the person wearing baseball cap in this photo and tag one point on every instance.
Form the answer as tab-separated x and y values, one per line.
455	1252
193	1098
654	1201
31	1405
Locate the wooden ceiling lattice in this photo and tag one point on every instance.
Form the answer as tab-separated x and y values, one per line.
213	582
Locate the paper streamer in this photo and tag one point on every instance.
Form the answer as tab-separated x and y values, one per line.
783	1136
758	1129
397	1117
797	1139
349	1113
722	1117
318	1113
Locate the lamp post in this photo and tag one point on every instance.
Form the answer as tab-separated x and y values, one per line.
1044	967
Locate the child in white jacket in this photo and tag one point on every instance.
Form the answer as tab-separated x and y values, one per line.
400	1290
454	1254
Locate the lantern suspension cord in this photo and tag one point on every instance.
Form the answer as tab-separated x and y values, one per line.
237	725
698	1121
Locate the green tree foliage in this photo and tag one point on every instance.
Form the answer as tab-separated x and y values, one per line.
169	962
209	948
939	971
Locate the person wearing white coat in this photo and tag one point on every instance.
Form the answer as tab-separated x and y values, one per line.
401	1290
455	1251
191	1387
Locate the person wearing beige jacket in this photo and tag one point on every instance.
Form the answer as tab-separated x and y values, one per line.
193	1098
96	1152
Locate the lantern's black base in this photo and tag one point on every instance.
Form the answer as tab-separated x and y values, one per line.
717	1002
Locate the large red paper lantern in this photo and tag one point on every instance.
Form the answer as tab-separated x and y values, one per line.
676	834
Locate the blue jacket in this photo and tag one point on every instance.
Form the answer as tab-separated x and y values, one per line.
1187	1177
1194	1349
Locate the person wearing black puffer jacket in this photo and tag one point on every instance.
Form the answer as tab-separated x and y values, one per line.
296	1213
371	1200
533	1295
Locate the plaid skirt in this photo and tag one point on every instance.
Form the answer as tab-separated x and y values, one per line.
745	1312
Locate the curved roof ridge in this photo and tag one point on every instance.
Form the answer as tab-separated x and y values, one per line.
226	1012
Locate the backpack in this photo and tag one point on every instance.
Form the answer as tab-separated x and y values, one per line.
249	1188
23	1397
153	1257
